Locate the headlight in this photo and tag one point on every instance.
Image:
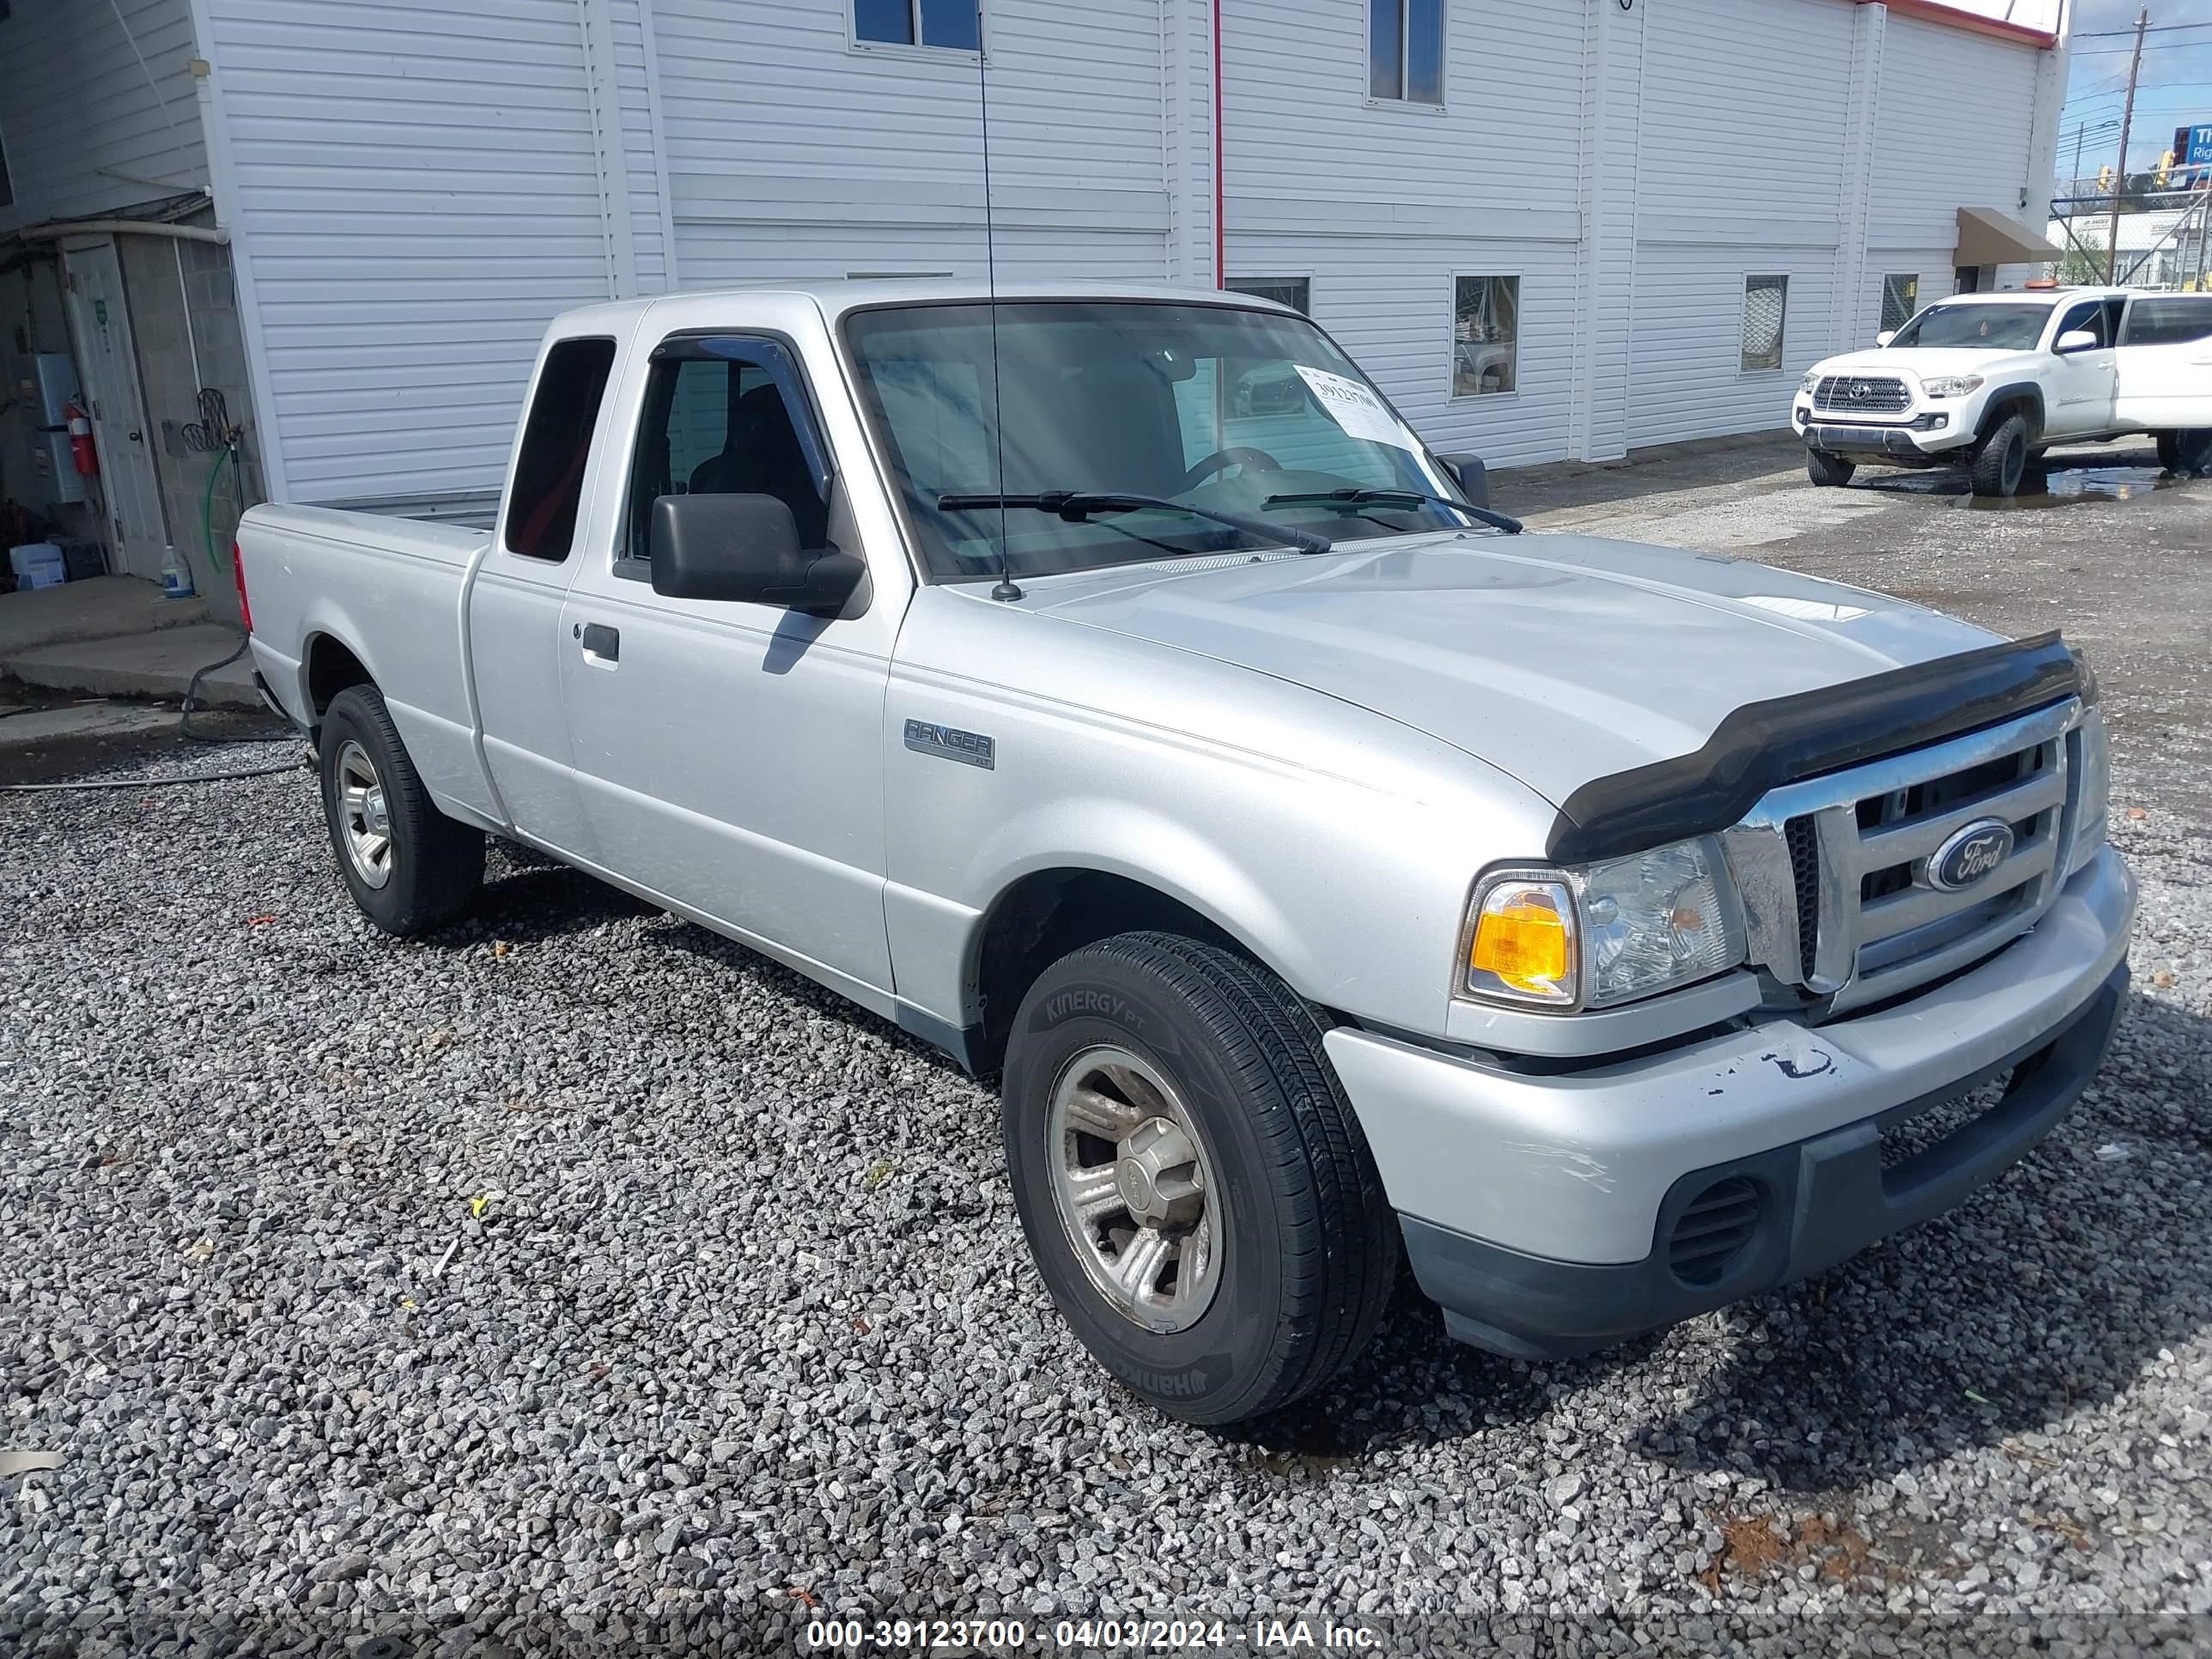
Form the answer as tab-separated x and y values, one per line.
1951	386
1809	384
2093	754
1604	933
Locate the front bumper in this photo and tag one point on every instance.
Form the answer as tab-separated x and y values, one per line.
1899	441
1539	1209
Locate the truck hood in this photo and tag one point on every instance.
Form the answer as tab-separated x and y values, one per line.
1917	363
1557	658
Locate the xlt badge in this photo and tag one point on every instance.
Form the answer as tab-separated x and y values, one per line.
950	742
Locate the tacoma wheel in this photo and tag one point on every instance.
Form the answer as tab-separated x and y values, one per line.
1828	471
409	866
2000	460
2187	452
1195	1187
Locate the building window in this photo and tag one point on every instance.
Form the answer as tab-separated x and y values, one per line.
1295	292
1406	51
955	24
1485	336
1900	298
548	472
1766	310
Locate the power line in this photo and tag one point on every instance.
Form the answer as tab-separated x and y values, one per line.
2155	28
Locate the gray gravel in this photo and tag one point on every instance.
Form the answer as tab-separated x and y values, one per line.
576	1281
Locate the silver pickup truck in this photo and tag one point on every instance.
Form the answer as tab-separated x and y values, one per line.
1108	687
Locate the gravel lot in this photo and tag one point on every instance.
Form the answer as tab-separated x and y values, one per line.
577	1281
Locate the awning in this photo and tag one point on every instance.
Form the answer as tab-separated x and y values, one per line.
1987	237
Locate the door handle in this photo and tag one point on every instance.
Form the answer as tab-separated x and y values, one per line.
600	640
137	436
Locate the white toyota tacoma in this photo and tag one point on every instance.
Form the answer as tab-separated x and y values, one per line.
1991	381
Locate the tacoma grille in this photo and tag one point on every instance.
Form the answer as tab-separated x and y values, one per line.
1862	394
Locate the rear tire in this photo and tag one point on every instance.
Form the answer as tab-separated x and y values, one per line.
1829	471
2001	460
2188	453
1281	1273
409	866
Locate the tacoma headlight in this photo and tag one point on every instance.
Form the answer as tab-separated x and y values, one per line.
1604	933
1809	384
1951	386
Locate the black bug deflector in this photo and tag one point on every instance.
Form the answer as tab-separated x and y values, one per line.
1763	745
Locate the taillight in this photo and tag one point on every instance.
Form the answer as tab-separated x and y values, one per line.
238	575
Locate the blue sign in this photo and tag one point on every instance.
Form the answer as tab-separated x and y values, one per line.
2192	146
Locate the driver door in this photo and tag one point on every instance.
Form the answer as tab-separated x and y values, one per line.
2082	383
729	754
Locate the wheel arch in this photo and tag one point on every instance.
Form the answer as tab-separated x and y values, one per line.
2023	397
328	665
1045	913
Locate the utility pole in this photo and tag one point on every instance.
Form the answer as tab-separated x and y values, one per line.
2120	173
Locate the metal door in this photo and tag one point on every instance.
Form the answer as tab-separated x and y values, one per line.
2081	384
730	755
107	365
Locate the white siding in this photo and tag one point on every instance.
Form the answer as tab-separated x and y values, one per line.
84	130
417	191
1687	378
777	125
1983	92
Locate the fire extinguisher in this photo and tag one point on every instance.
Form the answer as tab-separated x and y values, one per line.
80	432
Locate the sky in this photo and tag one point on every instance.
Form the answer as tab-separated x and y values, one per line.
2176	72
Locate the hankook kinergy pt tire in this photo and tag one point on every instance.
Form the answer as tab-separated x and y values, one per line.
409	866
1195	1189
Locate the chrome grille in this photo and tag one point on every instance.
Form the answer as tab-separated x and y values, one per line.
1834	872
1861	394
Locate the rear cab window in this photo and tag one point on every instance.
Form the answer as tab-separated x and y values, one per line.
548	487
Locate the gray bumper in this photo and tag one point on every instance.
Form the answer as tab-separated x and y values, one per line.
1881	440
1745	1226
1576	1167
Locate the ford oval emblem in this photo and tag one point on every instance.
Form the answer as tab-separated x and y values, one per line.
1969	854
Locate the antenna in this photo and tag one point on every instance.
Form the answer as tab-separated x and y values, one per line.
1005	592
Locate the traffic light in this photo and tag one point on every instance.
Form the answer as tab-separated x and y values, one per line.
2104	179
2164	170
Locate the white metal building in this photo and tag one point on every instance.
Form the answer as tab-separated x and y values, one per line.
1550	229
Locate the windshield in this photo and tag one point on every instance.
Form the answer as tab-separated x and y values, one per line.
1211	406
1986	327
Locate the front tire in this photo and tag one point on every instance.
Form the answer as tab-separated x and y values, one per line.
1195	1190
1829	471
409	866
2000	460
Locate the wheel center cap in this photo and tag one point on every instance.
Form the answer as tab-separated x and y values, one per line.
1134	1182
373	818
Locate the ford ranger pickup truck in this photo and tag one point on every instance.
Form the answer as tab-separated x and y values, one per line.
1109	688
1988	381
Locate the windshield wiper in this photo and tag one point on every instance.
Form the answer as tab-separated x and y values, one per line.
1350	498
1077	505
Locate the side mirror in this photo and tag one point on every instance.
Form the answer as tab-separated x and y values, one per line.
1472	475
745	549
2077	340
1885	337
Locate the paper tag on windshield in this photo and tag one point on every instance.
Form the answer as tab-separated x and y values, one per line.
1356	408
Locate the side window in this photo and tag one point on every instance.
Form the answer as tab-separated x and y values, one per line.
2168	321
556	442
957	24
1485	336
1900	298
1406	51
2089	315
717	422
1765	316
